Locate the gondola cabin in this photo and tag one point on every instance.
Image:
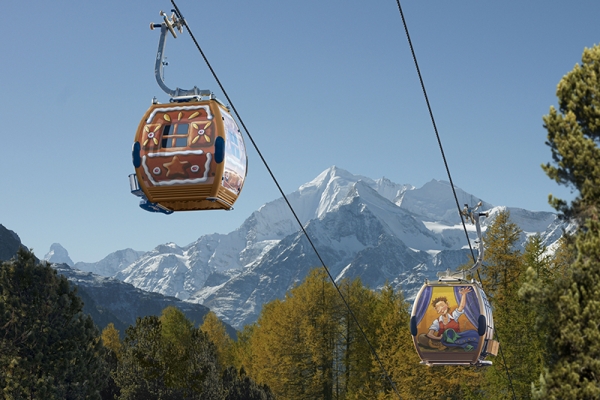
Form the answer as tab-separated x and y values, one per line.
188	156
452	324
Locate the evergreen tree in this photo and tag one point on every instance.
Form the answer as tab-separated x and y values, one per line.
140	371
203	369
242	387
167	358
48	348
541	279
573	342
541	276
573	135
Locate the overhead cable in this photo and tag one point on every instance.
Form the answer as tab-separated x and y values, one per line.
412	50
387	376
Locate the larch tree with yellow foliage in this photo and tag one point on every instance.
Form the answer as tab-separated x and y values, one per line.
217	334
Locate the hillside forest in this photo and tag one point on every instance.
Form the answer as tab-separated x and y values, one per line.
308	345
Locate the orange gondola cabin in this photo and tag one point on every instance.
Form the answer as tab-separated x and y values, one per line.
188	154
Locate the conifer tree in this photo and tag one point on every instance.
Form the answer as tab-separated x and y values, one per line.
140	373
536	261
239	386
395	349
321	326
565	255
48	348
355	352
293	341
502	260
280	357
573	135
167	358
176	341
217	334
111	341
535	257
573	301
541	279
112	344
241	350
519	363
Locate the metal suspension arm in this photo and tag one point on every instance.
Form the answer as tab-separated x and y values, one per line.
170	24
472	215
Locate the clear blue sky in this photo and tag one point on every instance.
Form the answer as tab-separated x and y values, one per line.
317	83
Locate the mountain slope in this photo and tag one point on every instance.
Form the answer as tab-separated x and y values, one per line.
111	264
125	302
10	243
377	230
109	300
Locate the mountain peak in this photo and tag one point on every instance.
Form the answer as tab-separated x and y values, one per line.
329	175
58	255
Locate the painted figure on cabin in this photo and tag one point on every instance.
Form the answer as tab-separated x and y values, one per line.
446	327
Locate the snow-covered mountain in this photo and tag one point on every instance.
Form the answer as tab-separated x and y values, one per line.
110	300
58	255
373	229
111	264
108	266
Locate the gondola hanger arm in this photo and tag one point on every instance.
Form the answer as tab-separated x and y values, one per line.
171	24
471	214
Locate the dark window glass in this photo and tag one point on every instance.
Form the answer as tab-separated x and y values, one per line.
174	136
168	130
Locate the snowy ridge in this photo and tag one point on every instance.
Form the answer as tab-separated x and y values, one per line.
377	230
111	264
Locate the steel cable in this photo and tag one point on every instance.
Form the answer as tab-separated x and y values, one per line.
180	16
412	50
